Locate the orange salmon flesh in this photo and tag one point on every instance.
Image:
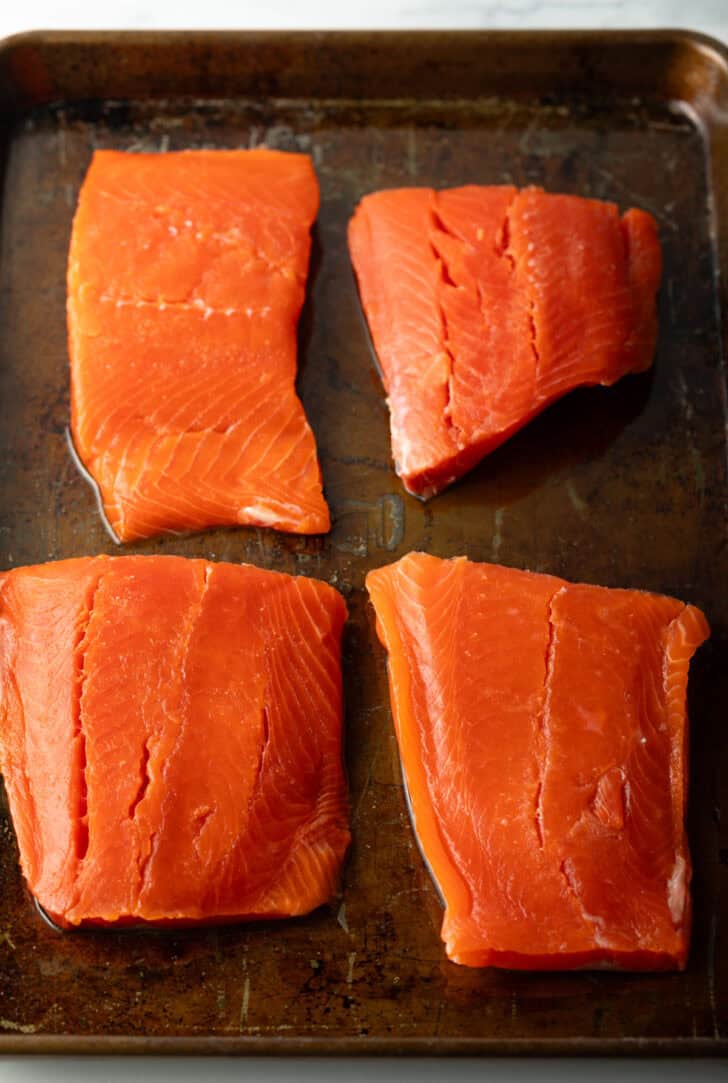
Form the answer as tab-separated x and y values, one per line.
170	739
186	277
485	304
542	730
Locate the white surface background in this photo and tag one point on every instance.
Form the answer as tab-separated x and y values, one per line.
709	16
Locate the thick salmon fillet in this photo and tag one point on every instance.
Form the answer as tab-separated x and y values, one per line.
186	276
485	304
543	736
170	738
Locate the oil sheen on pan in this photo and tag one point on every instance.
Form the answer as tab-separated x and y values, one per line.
170	732
186	277
543	735
485	304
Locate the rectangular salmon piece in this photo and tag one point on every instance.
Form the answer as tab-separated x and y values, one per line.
485	304
170	739
186	277
542	731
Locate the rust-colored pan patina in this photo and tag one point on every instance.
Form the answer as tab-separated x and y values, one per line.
623	486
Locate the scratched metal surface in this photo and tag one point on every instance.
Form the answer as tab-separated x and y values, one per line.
624	487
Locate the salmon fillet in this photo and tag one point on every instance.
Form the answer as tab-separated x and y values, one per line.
170	739
543	736
485	304
186	277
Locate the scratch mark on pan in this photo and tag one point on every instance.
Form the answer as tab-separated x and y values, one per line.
245	1004
683	395
260	540
524	143
341	918
350	971
365	787
6	938
390	531
497	533
577	503
24	1028
637	199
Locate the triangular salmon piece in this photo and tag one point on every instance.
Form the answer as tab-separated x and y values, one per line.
485	304
186	276
542	731
170	739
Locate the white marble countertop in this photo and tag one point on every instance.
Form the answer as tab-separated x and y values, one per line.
708	16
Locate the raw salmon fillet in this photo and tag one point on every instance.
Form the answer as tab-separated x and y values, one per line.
485	304
170	733
186	277
543	736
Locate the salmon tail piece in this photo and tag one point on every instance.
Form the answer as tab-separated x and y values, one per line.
486	304
542	728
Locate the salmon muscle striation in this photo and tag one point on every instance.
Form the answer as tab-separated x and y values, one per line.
485	304
542	730
170	733
186	277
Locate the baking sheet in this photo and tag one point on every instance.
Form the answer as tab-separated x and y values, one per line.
623	487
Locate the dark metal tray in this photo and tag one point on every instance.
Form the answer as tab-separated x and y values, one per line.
624	487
